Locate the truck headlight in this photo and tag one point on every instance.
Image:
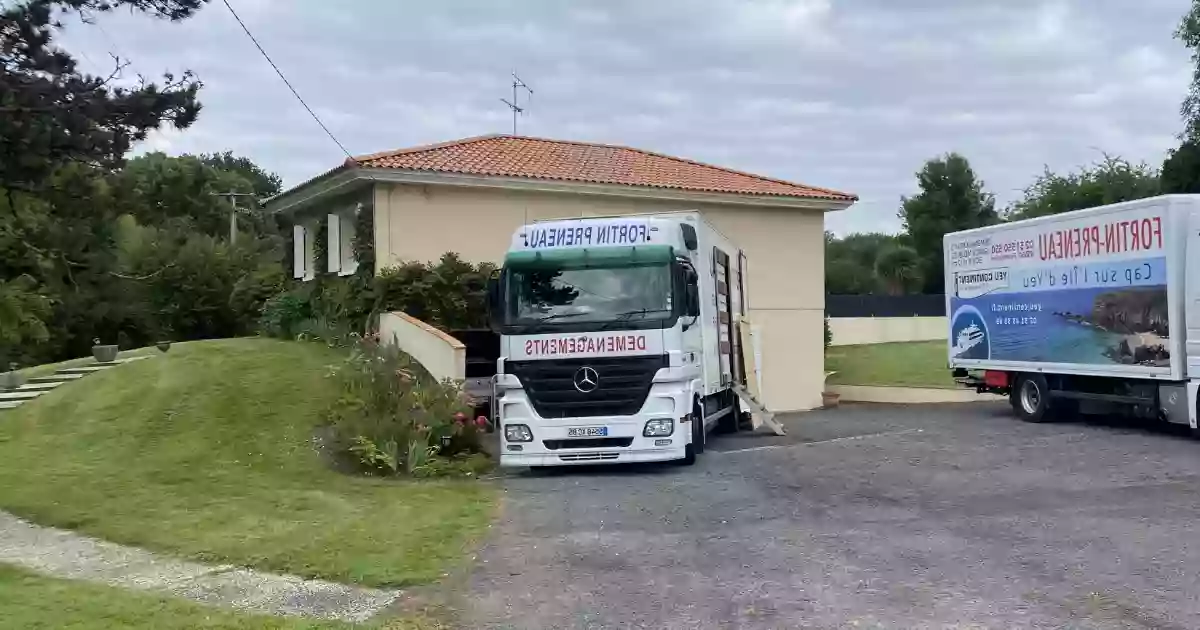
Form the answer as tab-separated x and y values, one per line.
517	433
659	427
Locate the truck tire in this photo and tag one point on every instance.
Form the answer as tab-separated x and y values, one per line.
1031	398
1195	432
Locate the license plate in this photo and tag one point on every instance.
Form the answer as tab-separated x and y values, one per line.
587	431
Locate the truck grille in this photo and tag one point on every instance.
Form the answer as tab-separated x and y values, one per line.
588	457
614	442
621	388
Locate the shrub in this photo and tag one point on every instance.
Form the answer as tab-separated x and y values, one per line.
391	415
329	332
283	314
450	294
253	290
828	333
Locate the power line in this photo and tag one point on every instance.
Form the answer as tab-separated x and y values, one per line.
285	80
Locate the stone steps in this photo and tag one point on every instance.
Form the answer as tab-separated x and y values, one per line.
38	385
28	387
56	378
15	395
87	369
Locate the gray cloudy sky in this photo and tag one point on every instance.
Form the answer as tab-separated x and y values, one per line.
847	94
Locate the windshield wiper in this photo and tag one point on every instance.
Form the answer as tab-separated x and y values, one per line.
621	318
558	315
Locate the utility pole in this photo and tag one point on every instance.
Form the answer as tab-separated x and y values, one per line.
233	210
513	105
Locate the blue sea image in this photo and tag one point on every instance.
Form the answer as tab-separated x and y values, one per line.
1032	326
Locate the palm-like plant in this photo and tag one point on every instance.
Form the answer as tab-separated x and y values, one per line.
899	269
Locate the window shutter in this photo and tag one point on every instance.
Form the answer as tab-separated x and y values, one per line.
298	251
333	243
349	233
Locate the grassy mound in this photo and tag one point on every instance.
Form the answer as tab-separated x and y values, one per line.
907	364
207	452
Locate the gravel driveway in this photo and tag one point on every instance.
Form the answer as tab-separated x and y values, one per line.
951	516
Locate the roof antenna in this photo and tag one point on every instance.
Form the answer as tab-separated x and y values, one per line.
513	105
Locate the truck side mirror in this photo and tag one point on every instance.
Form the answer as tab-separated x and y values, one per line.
493	302
689	236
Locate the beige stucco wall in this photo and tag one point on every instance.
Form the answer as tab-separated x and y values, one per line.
442	355
784	247
852	331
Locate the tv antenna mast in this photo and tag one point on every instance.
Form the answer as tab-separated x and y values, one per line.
514	104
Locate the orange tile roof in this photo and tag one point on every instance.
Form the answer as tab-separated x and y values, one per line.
539	158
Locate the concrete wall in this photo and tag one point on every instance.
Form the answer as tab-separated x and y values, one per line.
785	250
442	355
851	331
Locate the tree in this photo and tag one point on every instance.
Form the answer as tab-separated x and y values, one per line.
23	315
899	269
1111	181
54	114
951	199
181	192
1188	32
850	262
63	132
262	183
1181	170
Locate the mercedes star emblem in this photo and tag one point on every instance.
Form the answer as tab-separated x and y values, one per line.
586	379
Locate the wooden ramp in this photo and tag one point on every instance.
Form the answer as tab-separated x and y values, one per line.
758	414
749	394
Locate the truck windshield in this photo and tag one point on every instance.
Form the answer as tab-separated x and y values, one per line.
591	294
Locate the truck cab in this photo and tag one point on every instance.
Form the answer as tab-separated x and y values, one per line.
602	342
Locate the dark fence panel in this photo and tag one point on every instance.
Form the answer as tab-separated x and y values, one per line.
483	348
885	305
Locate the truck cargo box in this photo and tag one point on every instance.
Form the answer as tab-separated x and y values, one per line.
1092	292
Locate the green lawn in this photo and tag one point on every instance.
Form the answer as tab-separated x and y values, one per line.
207	453
31	602
913	364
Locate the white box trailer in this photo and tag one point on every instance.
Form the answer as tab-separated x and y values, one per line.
1084	311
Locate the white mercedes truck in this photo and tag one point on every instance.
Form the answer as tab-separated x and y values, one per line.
617	340
1092	311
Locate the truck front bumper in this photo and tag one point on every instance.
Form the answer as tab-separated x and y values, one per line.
575	457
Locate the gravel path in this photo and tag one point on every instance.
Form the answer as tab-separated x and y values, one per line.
952	516
64	554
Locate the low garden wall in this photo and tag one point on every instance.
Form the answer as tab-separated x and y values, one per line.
852	331
442	355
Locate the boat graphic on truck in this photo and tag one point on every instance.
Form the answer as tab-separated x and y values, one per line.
1092	311
968	338
617	339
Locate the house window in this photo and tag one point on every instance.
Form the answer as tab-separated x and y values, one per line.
341	233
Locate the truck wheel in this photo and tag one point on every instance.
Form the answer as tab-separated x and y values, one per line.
689	456
1031	398
1196	431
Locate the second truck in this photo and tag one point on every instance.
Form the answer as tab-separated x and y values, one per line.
1092	311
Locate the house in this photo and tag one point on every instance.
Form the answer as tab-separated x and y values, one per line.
470	195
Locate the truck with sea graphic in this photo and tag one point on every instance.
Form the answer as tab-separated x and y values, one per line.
1091	311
